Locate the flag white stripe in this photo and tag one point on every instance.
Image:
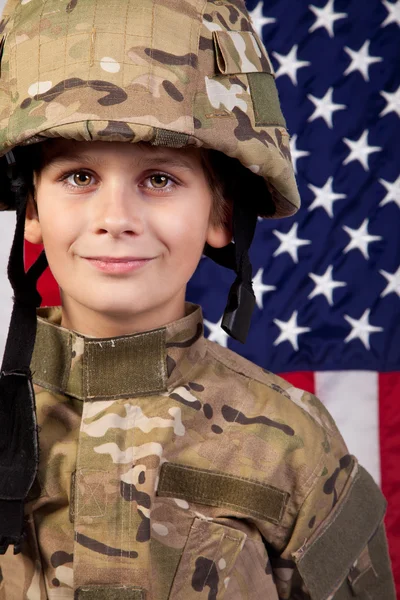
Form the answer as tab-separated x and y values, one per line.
7	227
352	398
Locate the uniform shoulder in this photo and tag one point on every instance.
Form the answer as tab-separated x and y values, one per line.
275	390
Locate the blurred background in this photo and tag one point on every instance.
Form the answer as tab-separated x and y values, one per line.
327	280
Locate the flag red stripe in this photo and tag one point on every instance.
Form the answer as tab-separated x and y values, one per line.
47	287
389	428
301	379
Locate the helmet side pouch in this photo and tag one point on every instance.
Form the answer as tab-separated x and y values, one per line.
238	52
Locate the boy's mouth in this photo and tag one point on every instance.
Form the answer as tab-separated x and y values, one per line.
111	264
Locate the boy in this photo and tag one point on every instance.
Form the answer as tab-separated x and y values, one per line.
137	134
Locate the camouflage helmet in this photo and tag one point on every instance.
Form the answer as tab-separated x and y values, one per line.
167	72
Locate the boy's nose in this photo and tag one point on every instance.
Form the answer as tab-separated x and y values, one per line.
117	211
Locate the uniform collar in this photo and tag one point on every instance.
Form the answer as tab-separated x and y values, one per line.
139	364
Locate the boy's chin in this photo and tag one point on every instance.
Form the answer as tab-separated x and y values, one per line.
121	311
117	310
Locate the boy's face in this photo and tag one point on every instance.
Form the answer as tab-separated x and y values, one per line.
123	226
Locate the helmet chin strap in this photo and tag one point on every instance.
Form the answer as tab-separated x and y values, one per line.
241	300
19	448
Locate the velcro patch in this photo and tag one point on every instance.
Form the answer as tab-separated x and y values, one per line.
220	489
267	109
326	562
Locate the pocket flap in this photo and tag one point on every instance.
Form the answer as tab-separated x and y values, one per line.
208	558
239	52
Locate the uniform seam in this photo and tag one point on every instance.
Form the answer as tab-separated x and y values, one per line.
214	559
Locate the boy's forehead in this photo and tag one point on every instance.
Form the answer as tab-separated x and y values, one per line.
60	149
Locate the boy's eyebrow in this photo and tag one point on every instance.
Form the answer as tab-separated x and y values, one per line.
145	160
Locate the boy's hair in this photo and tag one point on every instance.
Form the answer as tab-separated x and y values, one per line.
229	180
218	168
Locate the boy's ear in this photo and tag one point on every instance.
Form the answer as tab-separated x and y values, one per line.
33	230
222	234
219	235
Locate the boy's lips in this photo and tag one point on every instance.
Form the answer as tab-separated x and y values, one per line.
113	264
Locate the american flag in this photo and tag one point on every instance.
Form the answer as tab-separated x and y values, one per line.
327	281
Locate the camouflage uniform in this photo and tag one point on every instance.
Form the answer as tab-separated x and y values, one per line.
171	467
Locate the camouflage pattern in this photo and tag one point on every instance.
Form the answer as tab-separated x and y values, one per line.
106	519
168	72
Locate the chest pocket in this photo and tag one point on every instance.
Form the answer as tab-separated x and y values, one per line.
208	558
212	549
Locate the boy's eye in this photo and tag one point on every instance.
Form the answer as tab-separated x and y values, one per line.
81	179
159	180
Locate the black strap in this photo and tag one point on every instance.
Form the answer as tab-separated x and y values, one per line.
241	300
22	330
19	448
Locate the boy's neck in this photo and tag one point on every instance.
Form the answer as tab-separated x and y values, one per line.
91	323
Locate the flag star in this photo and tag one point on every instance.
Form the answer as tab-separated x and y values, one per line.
394	282
260	288
393	9
393	192
360	150
295	152
258	19
392	102
217	334
361	60
290	242
326	17
290	331
361	329
289	64
360	238
324	284
325	107
325	197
